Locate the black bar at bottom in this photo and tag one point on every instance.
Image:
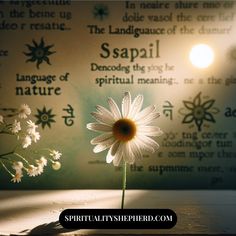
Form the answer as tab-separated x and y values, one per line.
118	218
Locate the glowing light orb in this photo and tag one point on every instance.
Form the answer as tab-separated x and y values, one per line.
201	55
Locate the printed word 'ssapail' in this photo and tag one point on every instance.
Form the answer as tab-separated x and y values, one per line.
131	54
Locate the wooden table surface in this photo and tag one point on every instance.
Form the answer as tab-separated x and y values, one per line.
37	212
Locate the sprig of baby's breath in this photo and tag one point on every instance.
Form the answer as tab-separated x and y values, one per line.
16	162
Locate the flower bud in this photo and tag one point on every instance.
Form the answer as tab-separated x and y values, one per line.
56	165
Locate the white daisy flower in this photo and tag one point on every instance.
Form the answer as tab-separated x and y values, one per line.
42	161
15	127
32	171
1	119
39	170
55	154
24	111
127	133
31	127
35	136
26	141
17	177
17	166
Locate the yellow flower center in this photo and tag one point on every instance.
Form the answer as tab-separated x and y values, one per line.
124	130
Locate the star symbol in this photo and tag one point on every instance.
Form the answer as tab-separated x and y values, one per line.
45	117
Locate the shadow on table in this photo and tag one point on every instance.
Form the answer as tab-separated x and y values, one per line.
199	212
52	228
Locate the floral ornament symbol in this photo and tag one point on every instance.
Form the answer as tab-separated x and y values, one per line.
100	11
198	112
45	117
39	52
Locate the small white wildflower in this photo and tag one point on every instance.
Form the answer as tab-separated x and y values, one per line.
32	171
35	136
1	119
56	165
26	141
17	166
39	170
24	111
31	127
55	154
15	127
42	161
17	177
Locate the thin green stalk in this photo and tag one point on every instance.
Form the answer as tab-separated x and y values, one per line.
123	185
16	154
7	169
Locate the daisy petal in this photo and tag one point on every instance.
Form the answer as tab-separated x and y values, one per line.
103	118
104	111
114	148
126	105
128	154
118	156
99	127
150	131
109	157
148	110
108	142
136	150
148	119
117	160
99	148
104	145
143	145
101	138
136	106
114	108
149	143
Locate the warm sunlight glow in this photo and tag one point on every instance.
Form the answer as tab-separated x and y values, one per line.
201	56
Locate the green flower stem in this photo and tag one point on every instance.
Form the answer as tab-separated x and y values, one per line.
123	185
18	155
7	169
43	149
